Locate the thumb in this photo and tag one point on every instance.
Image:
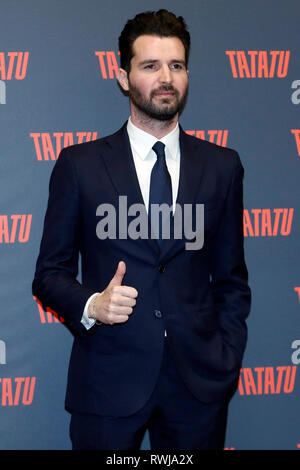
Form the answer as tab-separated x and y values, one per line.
119	274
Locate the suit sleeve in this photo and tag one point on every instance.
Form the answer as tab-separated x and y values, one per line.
55	282
232	295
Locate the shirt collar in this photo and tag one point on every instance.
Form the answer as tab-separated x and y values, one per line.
142	142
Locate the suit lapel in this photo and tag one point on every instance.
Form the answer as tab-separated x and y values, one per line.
191	169
120	166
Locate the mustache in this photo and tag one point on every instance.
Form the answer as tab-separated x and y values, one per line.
163	88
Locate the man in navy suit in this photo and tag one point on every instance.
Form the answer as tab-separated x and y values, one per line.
158	317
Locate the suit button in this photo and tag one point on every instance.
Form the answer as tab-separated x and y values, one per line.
161	268
157	313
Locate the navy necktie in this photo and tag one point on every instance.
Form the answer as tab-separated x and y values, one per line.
160	188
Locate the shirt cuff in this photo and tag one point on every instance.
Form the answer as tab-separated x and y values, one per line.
85	319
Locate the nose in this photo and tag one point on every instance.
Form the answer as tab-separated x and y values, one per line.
165	74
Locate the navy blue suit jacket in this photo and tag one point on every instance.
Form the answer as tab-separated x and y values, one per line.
203	295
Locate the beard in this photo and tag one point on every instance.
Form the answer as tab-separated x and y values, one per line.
166	110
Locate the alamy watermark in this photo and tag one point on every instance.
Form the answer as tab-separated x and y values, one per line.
295	97
2	352
2	92
187	221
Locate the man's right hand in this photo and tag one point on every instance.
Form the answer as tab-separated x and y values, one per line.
115	304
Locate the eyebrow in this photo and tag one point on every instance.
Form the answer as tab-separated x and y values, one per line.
152	61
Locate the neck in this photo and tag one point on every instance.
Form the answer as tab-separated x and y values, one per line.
152	126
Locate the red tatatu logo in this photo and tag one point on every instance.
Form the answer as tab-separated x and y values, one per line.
259	64
267	222
17	391
296	133
48	146
217	136
108	64
15	228
13	65
267	380
48	315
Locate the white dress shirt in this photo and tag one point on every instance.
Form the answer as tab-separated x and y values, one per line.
144	159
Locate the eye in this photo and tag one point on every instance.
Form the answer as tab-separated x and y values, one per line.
150	67
177	66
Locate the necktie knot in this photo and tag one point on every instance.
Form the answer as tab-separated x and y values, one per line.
159	149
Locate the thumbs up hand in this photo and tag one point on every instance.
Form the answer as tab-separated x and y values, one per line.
115	304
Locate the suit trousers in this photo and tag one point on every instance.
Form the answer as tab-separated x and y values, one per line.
174	418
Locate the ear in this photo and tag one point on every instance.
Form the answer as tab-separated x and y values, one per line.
123	79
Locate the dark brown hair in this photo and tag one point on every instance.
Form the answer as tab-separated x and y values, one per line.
155	23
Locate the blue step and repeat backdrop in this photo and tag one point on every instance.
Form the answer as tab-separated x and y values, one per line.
58	66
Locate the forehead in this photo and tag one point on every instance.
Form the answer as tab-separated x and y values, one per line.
148	47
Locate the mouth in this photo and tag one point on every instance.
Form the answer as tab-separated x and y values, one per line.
164	93
166	96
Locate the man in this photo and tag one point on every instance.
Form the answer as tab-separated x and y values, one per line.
159	328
